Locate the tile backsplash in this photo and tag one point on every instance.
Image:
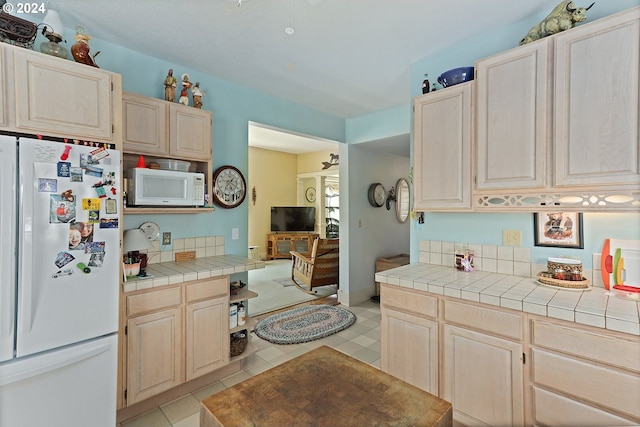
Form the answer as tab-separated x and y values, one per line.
492	258
205	246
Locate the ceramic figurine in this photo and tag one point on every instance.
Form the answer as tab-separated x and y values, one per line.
563	17
197	95
80	49
186	85
170	83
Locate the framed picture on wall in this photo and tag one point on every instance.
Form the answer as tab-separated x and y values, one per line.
558	229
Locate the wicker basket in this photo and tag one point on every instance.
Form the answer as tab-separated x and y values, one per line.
545	278
239	341
568	265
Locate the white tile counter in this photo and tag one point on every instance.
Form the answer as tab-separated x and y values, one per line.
171	273
615	310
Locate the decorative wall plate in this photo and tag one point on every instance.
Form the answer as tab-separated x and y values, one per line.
310	194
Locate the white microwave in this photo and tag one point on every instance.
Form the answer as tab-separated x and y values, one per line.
154	187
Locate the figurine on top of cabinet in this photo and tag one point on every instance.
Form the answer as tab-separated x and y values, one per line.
197	95
563	17
170	83
184	93
80	49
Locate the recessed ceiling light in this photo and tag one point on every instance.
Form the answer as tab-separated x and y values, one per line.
289	31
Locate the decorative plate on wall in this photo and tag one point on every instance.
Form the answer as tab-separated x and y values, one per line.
310	194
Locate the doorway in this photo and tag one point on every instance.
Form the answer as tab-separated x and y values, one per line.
283	167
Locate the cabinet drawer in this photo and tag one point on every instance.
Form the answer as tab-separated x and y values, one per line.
475	317
594	383
207	289
551	409
602	348
153	301
413	301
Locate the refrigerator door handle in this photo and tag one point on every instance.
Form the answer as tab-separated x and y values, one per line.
54	361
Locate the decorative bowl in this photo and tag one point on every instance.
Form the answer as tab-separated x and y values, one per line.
456	76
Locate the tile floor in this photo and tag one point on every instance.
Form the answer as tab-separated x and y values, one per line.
361	341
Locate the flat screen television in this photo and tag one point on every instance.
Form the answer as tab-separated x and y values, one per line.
293	218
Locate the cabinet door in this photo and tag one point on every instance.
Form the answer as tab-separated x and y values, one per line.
145	125
190	132
483	378
207	340
409	349
597	101
59	97
442	149
154	354
512	116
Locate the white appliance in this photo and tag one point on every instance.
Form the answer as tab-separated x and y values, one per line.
59	283
155	187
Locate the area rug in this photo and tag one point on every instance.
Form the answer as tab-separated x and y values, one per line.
304	324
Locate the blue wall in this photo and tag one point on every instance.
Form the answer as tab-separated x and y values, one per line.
233	106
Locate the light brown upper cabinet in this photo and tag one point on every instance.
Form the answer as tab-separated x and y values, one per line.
442	149
562	112
165	129
60	98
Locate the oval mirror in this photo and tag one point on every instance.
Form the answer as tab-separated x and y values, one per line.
403	200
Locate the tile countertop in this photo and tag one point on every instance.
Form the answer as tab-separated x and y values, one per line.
172	273
618	311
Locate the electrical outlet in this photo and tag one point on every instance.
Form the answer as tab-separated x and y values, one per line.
512	237
166	238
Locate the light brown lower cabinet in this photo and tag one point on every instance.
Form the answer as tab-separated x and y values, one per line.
175	334
508	368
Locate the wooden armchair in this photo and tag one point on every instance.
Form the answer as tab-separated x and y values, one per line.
320	269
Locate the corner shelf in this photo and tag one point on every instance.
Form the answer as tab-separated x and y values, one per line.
243	295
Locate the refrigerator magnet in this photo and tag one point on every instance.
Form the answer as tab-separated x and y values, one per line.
99	154
65	153
82	266
64	169
100	191
91	204
63	258
61	210
94	216
93	171
111	206
75	174
47	185
96	259
109	223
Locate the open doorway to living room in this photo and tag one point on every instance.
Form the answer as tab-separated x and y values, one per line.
292	172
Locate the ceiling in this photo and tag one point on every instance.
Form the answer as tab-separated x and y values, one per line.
347	58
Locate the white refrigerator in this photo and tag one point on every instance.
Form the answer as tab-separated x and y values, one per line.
59	282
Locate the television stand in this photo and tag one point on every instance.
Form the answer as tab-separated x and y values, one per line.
280	244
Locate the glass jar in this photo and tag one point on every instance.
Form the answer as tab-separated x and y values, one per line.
576	275
559	274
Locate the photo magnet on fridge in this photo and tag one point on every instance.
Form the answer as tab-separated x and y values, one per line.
63	258
61	210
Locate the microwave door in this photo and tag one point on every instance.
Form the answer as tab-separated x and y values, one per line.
165	190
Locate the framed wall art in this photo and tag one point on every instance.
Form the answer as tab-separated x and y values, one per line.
558	229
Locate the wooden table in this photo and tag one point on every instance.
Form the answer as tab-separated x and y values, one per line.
324	387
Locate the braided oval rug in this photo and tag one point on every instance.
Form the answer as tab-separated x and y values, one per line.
304	324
